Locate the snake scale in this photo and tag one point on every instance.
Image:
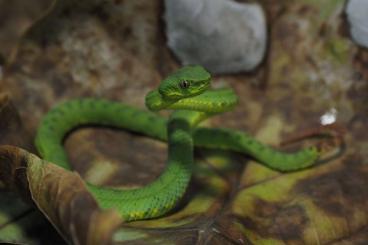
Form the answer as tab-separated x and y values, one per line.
187	92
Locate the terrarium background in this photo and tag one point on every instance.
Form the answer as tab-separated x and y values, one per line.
52	51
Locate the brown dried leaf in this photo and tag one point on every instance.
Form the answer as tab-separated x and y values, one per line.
60	195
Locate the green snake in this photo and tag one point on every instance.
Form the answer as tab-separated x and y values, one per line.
187	92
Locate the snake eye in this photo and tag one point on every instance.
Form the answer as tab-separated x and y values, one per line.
184	84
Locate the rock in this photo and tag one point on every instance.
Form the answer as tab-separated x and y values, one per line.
357	14
222	35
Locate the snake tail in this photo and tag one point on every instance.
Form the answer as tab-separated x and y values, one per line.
229	139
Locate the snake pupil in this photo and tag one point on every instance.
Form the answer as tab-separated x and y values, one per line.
184	84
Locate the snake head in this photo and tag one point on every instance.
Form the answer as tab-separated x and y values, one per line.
185	82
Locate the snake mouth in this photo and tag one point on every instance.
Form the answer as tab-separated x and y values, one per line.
199	102
176	91
157	100
154	101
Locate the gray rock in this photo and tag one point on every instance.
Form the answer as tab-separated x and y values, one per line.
357	13
222	35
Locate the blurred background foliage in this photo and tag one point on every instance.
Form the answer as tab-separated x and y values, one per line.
52	51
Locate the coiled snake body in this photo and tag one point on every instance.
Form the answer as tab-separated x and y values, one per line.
187	92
